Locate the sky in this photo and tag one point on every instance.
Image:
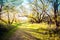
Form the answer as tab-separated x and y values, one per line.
25	3
19	2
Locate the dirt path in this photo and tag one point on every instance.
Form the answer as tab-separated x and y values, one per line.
19	34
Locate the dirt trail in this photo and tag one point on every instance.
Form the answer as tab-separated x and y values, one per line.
19	34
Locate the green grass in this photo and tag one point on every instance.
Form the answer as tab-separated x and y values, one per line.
36	26
41	31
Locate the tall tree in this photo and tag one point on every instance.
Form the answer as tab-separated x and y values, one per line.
10	10
55	6
1	4
56	13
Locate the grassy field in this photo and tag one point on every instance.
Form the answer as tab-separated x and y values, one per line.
41	31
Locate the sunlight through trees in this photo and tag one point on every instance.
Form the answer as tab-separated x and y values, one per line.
33	19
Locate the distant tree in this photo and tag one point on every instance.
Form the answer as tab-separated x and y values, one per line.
43	8
10	9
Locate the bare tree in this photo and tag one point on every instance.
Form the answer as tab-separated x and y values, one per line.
55	6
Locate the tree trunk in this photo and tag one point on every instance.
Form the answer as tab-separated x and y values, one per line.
13	18
8	18
0	11
55	13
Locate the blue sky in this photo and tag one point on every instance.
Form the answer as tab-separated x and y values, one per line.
20	2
